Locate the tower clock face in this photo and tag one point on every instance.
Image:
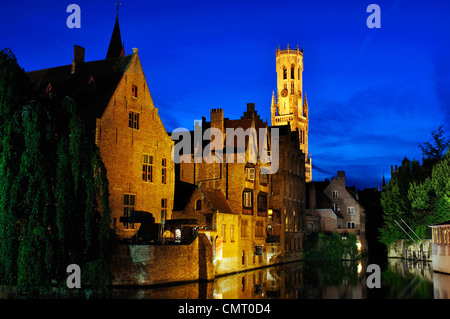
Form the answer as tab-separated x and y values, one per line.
284	93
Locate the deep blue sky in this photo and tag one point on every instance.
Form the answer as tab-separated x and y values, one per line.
373	94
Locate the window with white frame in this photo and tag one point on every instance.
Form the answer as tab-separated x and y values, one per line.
350	210
250	173
334	194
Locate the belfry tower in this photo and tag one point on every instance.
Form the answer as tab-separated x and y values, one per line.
291	105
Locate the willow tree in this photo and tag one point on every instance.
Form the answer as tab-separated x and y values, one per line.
50	209
14	93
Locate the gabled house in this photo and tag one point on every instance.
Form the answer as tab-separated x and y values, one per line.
114	99
334	207
322	214
209	211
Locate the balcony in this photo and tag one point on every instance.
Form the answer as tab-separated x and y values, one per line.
282	119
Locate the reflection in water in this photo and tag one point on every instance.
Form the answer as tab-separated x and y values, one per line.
407	279
296	280
400	279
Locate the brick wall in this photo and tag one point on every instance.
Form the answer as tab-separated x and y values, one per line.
122	148
344	200
158	264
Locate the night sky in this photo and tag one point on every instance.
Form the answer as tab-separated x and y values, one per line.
373	94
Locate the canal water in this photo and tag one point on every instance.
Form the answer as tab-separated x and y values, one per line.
400	279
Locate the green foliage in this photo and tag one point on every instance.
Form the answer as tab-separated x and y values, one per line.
51	179
430	200
14	93
437	150
97	274
418	194
330	247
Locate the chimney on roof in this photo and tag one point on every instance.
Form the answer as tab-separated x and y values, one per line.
78	57
217	119
341	177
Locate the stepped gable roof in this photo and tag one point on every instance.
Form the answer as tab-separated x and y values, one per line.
91	86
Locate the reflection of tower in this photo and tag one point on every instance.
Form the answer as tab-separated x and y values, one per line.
291	105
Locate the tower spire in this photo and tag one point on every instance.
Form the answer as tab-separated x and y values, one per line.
118	4
116	48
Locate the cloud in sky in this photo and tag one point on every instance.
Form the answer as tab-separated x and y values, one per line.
375	128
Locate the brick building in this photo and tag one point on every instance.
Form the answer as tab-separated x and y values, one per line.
322	214
333	206
240	184
287	196
114	99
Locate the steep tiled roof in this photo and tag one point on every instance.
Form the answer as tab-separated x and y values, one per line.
217	200
91	86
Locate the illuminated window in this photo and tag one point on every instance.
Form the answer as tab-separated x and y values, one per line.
133	120
250	173
147	168
247	199
134	91
128	209
163	171
350	210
